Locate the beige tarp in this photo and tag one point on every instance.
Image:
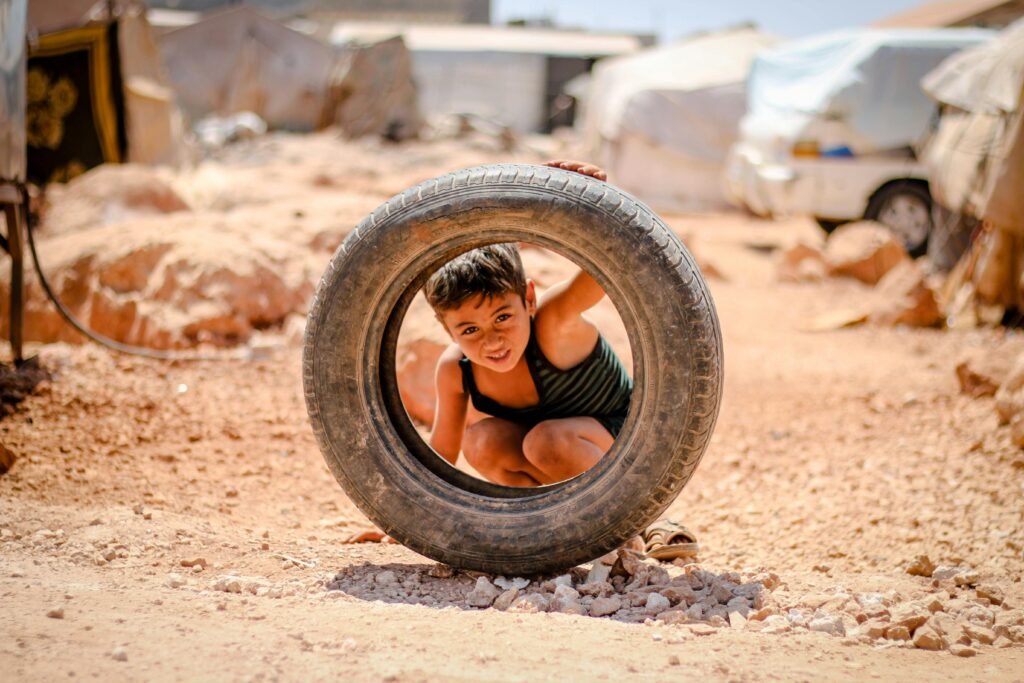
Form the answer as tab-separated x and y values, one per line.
154	125
239	60
976	158
662	120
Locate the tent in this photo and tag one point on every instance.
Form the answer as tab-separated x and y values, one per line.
976	157
238	60
975	160
855	88
662	121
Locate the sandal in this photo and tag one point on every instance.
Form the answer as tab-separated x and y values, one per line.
667	540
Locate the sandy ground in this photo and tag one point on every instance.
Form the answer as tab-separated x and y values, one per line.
839	457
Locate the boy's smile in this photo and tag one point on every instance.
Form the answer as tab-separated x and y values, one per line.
492	331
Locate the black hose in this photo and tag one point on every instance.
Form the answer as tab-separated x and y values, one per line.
95	336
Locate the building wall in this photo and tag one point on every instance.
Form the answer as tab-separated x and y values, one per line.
506	87
434	11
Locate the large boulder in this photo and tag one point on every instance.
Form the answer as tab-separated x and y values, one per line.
864	250
109	194
904	297
163	284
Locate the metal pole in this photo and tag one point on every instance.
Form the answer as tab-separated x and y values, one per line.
15	243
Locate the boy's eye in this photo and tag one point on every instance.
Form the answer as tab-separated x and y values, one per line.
503	317
469	330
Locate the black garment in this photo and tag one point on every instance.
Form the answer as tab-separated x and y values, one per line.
598	387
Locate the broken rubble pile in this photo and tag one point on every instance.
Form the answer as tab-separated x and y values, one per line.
956	613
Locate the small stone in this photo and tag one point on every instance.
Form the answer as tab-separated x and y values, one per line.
717	620
830	624
679	595
56	613
602	607
910	617
515	582
926	638
962	650
702	629
656	603
192	562
673	660
874	628
946	572
921	566
441	571
695	611
175	580
530	603
737	620
673	616
505	600
968	578
1002	641
983	635
990	593
777	623
388	578
228	584
119	654
935	605
898	632
483	593
197	569
599	589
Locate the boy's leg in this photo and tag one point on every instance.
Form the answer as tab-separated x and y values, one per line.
562	449
494	447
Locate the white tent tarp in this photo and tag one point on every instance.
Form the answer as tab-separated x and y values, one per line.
860	86
662	121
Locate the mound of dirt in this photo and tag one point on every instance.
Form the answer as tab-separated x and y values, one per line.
108	194
165	284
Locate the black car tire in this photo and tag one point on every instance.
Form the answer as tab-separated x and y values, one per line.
372	447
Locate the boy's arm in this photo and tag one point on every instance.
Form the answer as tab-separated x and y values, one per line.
569	299
450	408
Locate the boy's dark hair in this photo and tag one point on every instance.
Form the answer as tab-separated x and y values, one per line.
489	271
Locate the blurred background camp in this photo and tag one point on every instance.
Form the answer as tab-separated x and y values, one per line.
895	126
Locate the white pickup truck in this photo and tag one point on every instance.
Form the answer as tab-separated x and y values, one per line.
831	125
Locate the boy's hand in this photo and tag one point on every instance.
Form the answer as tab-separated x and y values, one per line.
579	167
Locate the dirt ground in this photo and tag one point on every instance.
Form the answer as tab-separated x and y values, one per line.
838	459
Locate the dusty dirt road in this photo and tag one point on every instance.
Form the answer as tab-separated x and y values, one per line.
838	459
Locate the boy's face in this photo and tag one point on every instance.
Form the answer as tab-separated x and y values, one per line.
494	331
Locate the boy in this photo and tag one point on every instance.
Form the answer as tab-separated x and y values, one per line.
555	393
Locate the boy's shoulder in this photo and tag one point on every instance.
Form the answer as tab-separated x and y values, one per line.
564	340
448	373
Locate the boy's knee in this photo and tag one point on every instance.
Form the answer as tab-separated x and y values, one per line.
545	444
480	444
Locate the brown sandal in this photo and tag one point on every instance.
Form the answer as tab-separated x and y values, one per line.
668	540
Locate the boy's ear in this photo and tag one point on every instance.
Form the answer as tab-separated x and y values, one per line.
531	297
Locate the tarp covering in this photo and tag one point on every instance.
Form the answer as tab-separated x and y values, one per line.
239	60
12	89
864	82
976	157
662	120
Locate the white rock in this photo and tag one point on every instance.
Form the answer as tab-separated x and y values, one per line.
656	603
483	593
175	580
119	654
946	572
515	582
828	624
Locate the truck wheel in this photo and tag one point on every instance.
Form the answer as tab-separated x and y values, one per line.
398	481
905	208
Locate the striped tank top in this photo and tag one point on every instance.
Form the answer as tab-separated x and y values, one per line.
597	387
